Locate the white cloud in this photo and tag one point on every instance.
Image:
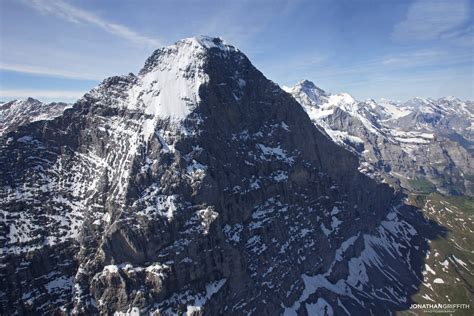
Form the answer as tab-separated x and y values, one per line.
74	14
396	75
423	58
9	94
288	68
432	19
409	60
45	71
433	84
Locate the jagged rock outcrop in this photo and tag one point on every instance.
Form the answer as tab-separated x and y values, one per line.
21	112
198	186
422	144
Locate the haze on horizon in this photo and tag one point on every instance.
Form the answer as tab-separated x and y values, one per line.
56	50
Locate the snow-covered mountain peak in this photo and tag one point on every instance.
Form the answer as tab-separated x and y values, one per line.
168	84
371	103
306	92
342	99
187	50
450	98
28	102
307	84
171	87
391	110
418	102
20	112
209	42
25	105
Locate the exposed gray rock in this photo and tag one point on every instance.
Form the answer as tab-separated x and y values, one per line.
197	186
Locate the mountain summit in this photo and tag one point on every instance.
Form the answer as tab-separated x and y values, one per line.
306	92
198	186
21	112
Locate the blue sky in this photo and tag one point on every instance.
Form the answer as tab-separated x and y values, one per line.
397	49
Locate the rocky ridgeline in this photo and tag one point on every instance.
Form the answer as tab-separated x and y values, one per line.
21	112
199	187
422	144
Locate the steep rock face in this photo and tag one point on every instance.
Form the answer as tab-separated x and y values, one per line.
21	112
197	186
422	144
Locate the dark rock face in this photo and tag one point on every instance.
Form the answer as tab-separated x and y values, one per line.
198	186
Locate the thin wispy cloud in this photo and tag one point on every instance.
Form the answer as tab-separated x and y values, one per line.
433	19
227	24
423	58
44	71
240	26
387	64
296	63
294	68
74	14
412	58
374	77
434	84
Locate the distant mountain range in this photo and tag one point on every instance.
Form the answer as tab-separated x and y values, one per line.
21	112
422	144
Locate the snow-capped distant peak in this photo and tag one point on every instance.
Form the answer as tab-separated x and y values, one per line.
309	86
27	104
392	110
21	112
451	99
341	99
417	102
28	100
307	93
